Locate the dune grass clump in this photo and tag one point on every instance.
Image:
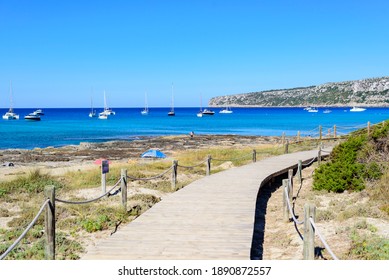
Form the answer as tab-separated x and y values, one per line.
33	183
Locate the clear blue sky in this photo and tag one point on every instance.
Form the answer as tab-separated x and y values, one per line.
55	52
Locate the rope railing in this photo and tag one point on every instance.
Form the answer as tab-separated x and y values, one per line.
323	240
310	162
193	166
291	211
233	159
90	200
309	213
32	223
150	178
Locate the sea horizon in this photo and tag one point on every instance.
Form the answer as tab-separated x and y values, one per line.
71	126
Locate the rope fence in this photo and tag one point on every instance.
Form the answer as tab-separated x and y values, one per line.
32	223
91	200
310	228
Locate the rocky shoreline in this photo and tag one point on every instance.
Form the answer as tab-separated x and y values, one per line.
124	150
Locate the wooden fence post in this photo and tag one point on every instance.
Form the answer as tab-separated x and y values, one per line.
298	136
309	232
208	172
299	170
335	131
285	205
283	138
174	175
319	156
254	156
320	132
368	128
286	147
290	185
123	187
50	223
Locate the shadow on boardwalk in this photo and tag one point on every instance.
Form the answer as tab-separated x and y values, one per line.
263	197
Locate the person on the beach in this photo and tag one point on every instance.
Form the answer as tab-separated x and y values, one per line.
191	134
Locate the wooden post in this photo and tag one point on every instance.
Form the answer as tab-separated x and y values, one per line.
50	223
290	185
320	132
254	156
298	136
309	232
299	170
283	138
285	205
335	131
103	183
368	128
286	147
174	175
319	156
104	171
209	165
329	133
123	187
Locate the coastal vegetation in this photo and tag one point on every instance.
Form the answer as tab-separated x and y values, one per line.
367	92
359	165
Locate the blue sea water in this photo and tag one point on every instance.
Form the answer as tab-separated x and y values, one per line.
60	127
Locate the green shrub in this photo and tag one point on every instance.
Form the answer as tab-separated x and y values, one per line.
343	172
369	247
352	162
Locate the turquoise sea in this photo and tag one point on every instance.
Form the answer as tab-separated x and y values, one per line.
60	127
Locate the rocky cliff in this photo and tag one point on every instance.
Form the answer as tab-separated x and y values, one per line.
368	92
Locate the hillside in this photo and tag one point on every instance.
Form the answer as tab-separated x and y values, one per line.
367	92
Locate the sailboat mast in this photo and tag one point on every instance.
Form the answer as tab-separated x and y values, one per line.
10	98
172	98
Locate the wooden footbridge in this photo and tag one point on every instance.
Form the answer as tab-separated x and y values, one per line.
212	218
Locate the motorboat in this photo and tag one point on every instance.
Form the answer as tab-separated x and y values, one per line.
357	109
208	112
32	117
313	110
327	111
39	112
227	110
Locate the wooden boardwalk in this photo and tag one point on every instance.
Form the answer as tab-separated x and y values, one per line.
212	218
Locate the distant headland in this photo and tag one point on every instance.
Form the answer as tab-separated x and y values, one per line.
373	92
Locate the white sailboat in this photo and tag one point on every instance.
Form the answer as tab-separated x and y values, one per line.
92	113
171	112
200	113
107	111
145	111
10	115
